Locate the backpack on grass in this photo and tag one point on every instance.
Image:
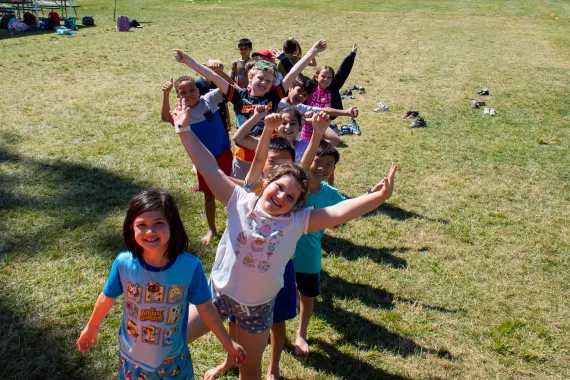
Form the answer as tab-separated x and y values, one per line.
69	23
123	24
29	19
5	20
88	21
54	16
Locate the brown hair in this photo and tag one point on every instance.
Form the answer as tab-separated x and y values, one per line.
299	175
321	69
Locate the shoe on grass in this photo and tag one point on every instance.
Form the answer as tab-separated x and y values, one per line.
492	112
334	127
477	103
381	107
355	127
413	114
484	92
406	115
418	123
486	111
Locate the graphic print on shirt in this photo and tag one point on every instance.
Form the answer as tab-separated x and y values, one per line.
154	292
152	314
132	329
174	294
174	314
134	292
168	338
259	245
151	334
132	309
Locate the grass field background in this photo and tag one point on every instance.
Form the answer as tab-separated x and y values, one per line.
463	274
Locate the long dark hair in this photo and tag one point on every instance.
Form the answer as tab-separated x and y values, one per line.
152	200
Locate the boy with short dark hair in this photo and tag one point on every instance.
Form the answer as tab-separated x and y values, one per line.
239	73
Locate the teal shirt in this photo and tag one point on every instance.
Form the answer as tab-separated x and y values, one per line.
308	253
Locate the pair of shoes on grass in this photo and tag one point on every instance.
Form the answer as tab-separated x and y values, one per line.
484	92
418	123
411	114
477	103
382	108
351	129
489	111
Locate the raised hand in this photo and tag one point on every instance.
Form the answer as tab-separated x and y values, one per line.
263	110
275	52
181	56
308	115
182	115
320	46
355	48
215	65
387	183
321	122
273	121
168	85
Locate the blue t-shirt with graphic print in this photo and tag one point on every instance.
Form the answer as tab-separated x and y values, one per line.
155	305
308	253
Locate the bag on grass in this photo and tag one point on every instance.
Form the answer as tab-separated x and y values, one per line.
88	21
55	17
134	23
29	19
123	24
18	26
69	23
5	20
48	23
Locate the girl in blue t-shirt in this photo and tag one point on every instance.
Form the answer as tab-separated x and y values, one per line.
159	280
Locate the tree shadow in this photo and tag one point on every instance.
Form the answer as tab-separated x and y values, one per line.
334	246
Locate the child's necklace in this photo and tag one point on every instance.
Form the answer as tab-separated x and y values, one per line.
148	274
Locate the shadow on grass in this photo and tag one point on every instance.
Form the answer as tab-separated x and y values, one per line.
334	246
5	33
62	197
361	332
397	213
370	296
326	358
33	351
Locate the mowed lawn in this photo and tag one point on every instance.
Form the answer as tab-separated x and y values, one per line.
463	274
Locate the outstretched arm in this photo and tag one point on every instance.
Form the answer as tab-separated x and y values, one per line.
351	112
88	337
165	108
204	71
344	69
318	47
210	316
222	187
353	208
321	122
262	151
242	136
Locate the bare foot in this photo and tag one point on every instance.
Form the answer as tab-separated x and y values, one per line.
217	371
273	375
208	237
301	345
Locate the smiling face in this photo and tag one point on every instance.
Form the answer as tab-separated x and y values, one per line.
322	168
261	82
324	78
187	90
274	159
297	95
279	197
289	128
152	232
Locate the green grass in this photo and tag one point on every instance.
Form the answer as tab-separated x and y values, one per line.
464	274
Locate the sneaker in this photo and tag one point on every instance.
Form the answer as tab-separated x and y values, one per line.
406	115
351	97
334	127
345	130
413	114
381	107
347	92
477	103
418	123
484	92
486	111
355	127
492	112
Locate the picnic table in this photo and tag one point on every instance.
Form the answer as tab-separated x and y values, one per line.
19	6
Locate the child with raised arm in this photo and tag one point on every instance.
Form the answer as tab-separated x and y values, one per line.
159	280
259	240
262	77
208	125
